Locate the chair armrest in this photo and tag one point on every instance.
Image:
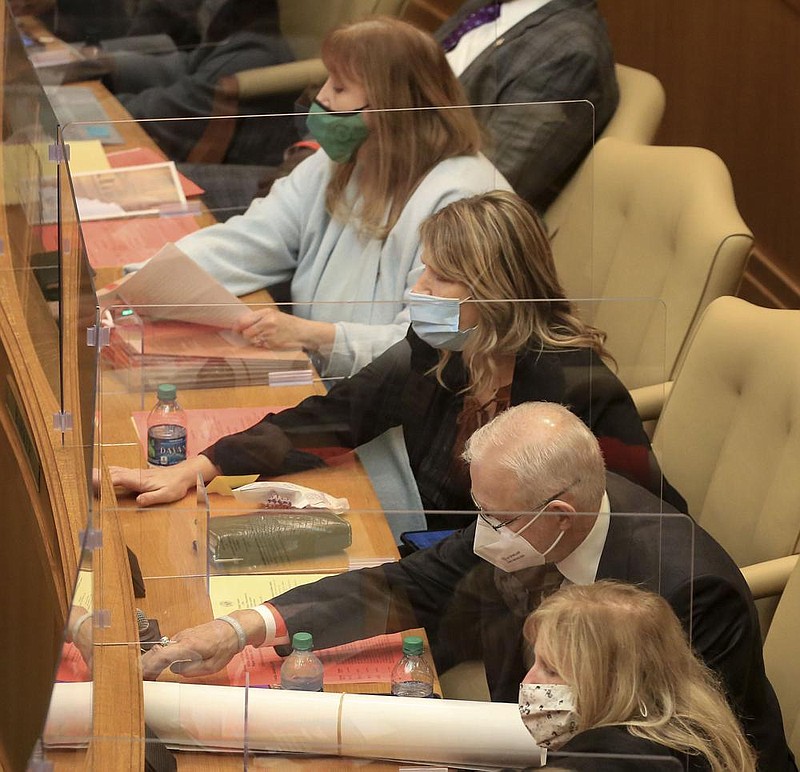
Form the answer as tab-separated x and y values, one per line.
769	578
280	79
649	400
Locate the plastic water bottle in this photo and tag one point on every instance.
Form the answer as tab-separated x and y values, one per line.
411	676
166	429
302	670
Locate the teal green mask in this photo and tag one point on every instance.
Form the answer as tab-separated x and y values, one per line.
339	134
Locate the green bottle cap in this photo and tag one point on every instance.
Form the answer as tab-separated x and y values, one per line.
167	392
412	645
302	642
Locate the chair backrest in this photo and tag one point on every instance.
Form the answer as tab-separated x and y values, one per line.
782	660
638	115
729	435
641	106
657	223
304	23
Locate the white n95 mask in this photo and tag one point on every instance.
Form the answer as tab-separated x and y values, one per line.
509	550
435	320
548	712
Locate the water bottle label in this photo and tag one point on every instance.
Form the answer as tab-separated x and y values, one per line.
165	451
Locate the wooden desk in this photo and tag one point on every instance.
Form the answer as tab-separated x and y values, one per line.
162	538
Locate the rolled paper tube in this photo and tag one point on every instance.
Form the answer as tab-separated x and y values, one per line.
69	719
353	725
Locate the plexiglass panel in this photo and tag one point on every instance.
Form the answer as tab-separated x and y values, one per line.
29	181
376	450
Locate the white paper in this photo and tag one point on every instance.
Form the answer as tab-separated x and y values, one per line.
175	287
289	495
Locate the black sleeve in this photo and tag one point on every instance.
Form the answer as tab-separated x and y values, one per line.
722	631
613	749
359	604
353	412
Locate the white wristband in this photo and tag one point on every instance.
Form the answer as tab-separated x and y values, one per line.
237	628
271	627
75	627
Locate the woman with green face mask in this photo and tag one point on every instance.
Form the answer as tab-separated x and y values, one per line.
343	226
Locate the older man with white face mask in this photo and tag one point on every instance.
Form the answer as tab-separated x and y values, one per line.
545	504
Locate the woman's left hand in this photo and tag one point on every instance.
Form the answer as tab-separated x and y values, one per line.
271	328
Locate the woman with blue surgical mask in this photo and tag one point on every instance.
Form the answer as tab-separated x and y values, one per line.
615	687
490	328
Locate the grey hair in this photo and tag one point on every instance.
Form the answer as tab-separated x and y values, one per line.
564	454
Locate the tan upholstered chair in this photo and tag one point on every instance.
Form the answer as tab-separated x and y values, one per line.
304	23
782	660
641	106
658	227
638	115
729	434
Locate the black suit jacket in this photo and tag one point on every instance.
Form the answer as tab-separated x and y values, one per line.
621	752
459	600
560	52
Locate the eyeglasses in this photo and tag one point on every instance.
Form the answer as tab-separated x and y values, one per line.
496	524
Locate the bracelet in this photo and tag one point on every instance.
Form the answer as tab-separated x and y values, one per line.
269	624
237	628
75	627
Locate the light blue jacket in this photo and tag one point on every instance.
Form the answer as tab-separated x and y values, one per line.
289	235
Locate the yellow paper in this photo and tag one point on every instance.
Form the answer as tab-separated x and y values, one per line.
87	155
224	484
232	593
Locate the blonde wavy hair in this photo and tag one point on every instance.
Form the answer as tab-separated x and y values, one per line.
402	69
496	244
626	657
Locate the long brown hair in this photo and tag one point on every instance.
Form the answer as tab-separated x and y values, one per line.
496	244
403	70
626	657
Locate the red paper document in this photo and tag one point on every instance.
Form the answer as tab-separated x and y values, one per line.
367	661
72	666
117	242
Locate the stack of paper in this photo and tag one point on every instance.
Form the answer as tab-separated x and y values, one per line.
195	356
171	322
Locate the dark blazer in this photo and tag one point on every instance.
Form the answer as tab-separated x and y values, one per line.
623	752
560	52
181	85
465	609
397	389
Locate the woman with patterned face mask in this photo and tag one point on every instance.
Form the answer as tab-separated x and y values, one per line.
616	683
490	328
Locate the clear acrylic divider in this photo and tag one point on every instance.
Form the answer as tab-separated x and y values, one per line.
50	533
30	161
228	547
471	617
140	204
81	336
69	724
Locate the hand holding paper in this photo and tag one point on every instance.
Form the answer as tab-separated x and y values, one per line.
175	287
276	330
